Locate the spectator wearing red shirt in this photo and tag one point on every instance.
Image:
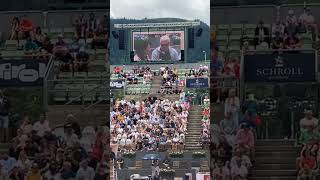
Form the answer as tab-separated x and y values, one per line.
236	68
292	42
307	164
26	28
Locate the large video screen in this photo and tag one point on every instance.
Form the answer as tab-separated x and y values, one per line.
158	45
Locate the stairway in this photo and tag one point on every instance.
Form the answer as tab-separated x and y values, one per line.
112	171
275	160
194	128
155	86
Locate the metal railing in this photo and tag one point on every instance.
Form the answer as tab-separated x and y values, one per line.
170	89
49	74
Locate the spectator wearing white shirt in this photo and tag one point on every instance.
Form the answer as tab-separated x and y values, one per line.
238	155
85	172
239	171
278	28
41	126
70	138
308	21
52	173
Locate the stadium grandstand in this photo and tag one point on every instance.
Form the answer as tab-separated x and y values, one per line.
256	51
54	72
159	118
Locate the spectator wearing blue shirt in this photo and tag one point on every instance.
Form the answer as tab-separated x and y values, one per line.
30	46
216	67
7	162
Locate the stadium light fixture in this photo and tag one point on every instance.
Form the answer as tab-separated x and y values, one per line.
205	56
158	25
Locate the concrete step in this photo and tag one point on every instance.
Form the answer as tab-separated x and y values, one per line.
276	148
193	148
275	160
281	172
193	137
274	166
273	178
279	142
287	154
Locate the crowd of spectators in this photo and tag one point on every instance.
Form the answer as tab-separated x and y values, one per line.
170	77
152	124
173	80
205	123
72	53
233	139
64	152
307	163
132	77
286	33
226	69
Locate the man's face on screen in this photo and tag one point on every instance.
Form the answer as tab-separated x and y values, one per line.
164	45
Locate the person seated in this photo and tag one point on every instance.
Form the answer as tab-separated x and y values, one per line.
245	139
277	42
292	42
81	61
239	171
41	126
228	128
307	165
60	46
239	155
278	29
74	46
221	171
30	47
47	46
261	34
38	36
246	48
26	28
66	61
307	20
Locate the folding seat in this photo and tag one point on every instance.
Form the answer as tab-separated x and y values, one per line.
223	29
236	29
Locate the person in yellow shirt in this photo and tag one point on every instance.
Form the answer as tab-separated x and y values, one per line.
34	173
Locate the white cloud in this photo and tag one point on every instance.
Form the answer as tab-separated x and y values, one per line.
139	9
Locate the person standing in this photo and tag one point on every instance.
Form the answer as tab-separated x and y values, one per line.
232	107
309	128
4	117
155	171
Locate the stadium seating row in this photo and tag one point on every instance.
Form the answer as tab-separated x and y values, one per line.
229	35
141	89
88	92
